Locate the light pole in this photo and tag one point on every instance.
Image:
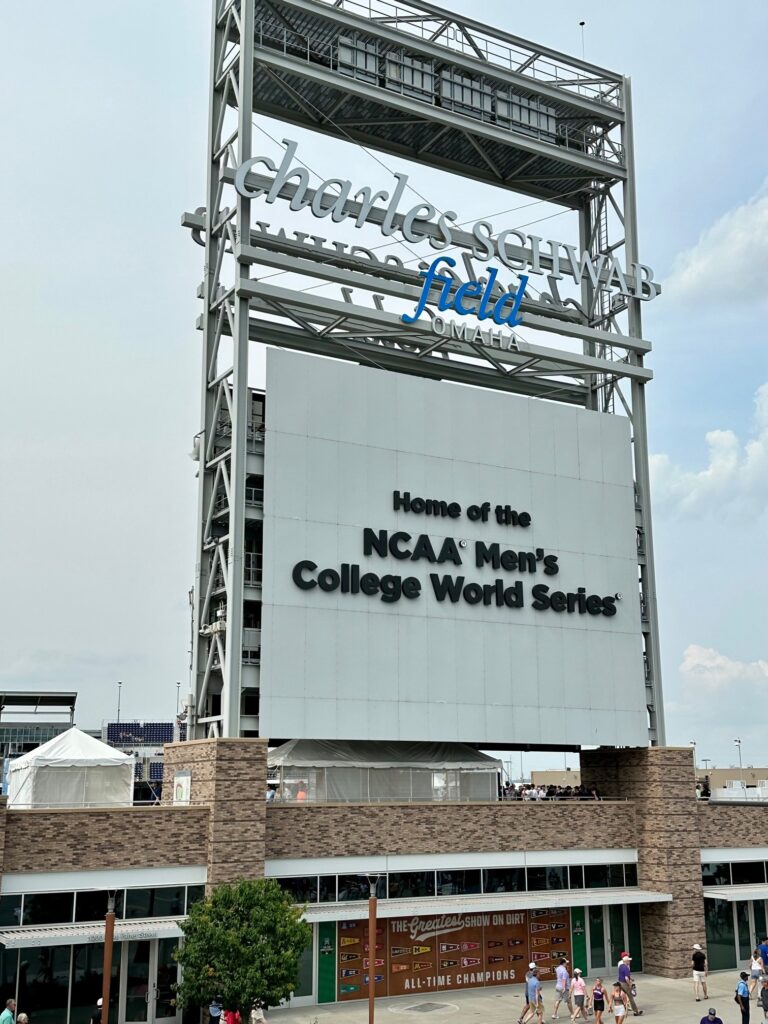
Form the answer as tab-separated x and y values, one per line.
372	883
119	694
705	761
109	935
741	766
178	693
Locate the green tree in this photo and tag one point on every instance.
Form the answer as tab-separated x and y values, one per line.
242	943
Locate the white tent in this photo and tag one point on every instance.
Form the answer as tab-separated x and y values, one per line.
71	770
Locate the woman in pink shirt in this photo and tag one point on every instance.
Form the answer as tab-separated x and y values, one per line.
578	994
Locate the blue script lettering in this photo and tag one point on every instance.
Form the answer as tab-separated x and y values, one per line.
469	289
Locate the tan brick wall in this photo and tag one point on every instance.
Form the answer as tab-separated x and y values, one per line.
732	824
229	776
94	839
323	830
661	782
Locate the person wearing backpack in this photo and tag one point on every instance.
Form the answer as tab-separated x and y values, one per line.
742	997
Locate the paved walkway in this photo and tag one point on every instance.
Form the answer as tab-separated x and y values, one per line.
662	1000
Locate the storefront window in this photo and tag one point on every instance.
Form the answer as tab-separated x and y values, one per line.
750	872
357	887
596	876
576	874
458	883
716	874
302	889
195	893
547	878
630	874
743	930
48	907
504	880
44	982
406	884
721	939
304	984
9	960
327	888
92	906
167	901
616	876
10	911
87	981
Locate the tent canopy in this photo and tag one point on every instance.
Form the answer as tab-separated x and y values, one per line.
359	754
71	770
70	749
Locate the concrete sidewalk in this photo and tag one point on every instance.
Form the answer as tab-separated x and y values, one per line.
662	1000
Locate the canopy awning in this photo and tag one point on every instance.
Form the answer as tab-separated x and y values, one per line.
734	893
81	934
396	754
358	911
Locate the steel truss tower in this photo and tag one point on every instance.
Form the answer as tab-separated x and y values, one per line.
414	81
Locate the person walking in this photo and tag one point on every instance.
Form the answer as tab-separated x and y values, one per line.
617	1004
742	996
96	1015
535	1002
215	1010
562	988
578	994
763	950
598	1000
528	976
6	1017
762	998
626	982
711	1017
756	969
699	962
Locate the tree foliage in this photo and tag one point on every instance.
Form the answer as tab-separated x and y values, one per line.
242	943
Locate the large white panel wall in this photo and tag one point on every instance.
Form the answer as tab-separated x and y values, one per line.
340	439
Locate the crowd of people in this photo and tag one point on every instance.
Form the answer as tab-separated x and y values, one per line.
531	791
571	989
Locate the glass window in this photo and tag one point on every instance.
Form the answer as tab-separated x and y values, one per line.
357	887
630	874
87	980
504	880
327	888
48	907
304	981
195	893
596	938
10	911
44	981
302	889
716	874
596	876
576	874
92	906
405	884
166	901
742	929
9	960
458	883
616	876
542	878
748	872
634	935
721	938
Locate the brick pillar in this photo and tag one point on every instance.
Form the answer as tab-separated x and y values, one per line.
230	777
661	782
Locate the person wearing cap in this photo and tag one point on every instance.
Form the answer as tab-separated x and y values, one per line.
699	962
578	994
742	996
562	988
528	973
711	1017
625	981
96	1015
762	998
533	990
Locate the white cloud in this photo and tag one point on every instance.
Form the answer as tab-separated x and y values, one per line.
736	474
731	256
704	668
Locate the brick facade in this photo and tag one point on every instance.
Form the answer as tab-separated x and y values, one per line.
317	830
732	824
90	839
229	776
661	782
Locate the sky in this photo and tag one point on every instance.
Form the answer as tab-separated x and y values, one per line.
103	126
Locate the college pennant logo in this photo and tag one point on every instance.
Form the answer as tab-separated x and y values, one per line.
348	957
416	950
376	963
420	965
470	961
514	942
557	927
399	950
495	959
449	963
400	967
349	988
377	978
348	972
466	946
493	943
346	941
449	947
